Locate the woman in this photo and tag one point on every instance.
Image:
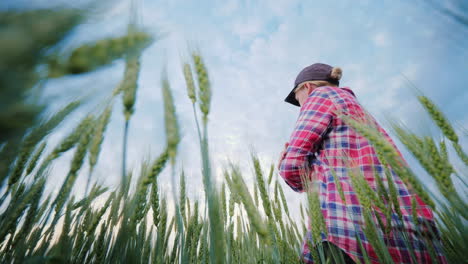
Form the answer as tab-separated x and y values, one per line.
324	146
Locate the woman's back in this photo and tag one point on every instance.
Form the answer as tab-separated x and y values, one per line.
332	148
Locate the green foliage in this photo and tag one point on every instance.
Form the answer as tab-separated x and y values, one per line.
242	223
90	57
24	44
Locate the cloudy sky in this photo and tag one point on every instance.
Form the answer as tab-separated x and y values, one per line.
254	50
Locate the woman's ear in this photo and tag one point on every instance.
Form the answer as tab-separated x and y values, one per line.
310	88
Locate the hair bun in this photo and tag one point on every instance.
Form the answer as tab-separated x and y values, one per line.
336	73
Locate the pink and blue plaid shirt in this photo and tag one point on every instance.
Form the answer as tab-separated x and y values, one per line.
320	141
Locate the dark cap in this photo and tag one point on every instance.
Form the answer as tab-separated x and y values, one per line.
314	72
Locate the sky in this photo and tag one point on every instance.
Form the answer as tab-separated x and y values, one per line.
253	51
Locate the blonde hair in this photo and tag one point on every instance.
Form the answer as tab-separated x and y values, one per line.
316	83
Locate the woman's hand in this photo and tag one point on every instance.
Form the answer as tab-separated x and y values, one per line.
283	154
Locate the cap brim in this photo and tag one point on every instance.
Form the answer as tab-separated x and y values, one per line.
292	99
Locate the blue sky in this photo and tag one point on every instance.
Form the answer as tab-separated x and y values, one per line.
254	50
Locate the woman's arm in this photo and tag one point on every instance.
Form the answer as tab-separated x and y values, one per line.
314	119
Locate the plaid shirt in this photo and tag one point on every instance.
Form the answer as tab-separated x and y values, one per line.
319	142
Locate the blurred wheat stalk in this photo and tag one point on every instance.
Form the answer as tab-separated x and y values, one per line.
241	224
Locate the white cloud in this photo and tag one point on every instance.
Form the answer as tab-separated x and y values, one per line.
246	29
281	8
227	8
381	39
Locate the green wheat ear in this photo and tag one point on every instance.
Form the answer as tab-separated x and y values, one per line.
35	157
189	82
223	202
204	85
315	212
35	136
183	197
444	125
261	186
240	188
439	118
89	57
98	136
129	85
75	166
389	153
170	119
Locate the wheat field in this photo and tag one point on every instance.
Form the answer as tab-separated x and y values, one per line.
234	223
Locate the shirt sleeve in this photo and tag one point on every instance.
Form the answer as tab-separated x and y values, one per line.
314	119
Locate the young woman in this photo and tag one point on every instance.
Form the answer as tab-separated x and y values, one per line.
323	146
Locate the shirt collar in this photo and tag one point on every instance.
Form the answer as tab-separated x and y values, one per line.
348	90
